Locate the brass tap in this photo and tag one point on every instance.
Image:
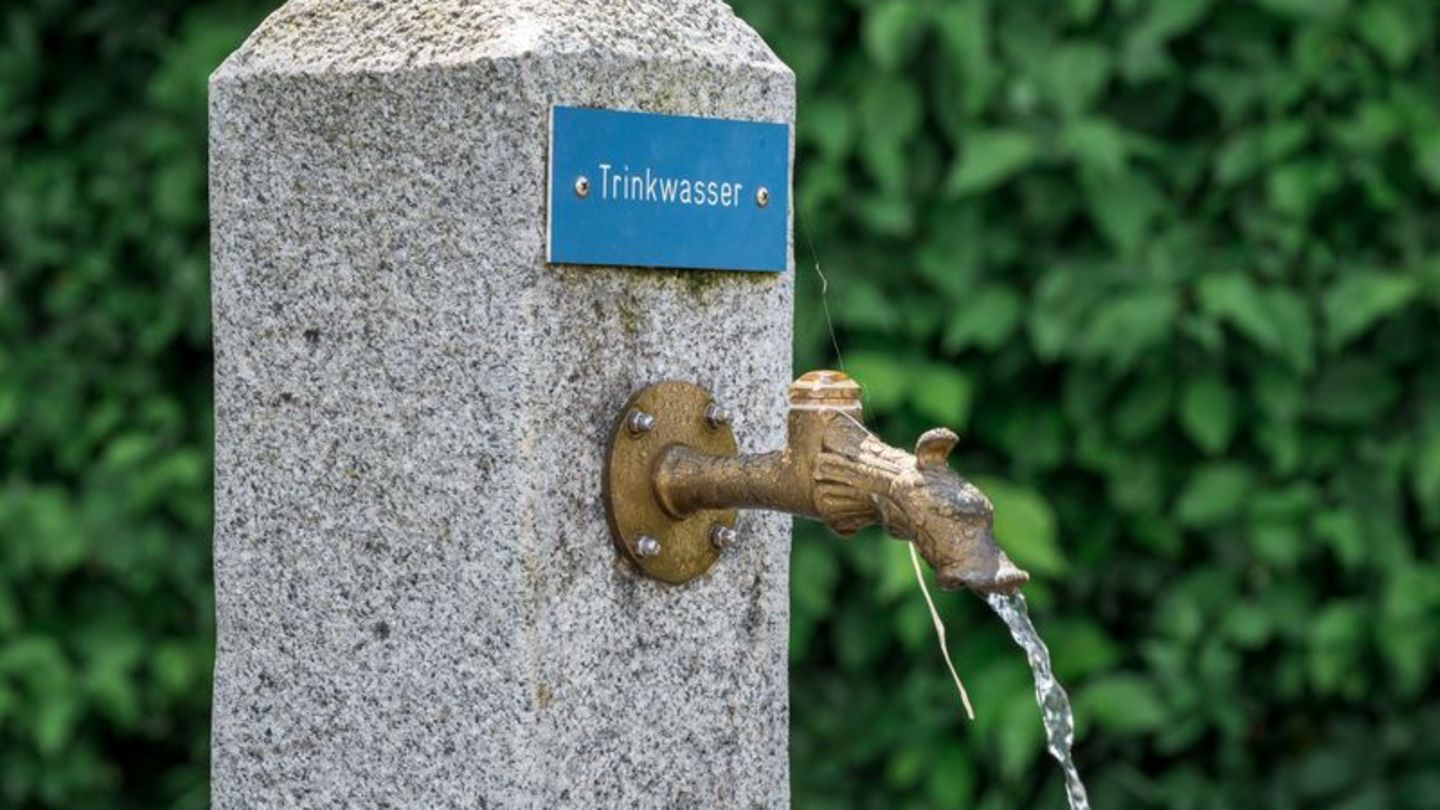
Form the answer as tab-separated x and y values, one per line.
832	469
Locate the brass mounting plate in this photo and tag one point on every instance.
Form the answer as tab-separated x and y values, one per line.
678	409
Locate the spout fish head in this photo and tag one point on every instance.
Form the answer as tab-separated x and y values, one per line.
952	523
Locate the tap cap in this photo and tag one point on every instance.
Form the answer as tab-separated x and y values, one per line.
817	390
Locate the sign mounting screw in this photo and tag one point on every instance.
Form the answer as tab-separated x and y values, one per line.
582	186
762	196
647	546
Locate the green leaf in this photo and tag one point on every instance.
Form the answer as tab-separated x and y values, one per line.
1127	325
1341	530
863	305
858	637
1065	297
1294	327
10	614
1168	18
1101	148
896	574
986	318
1020	736
1326	771
174	189
1306	9
1353	391
1390	31
965	31
1248	624
1213	494
891	111
1426	475
1083	11
989	158
1024	526
1080	647
829	124
172	665
46	532
908	764
888	213
952	777
1335	647
814	573
54	722
1279	544
1297	188
1273	319
1425	154
1145	49
1371	128
891	30
1123	207
884	382
1123	704
942	394
1207	412
1073	75
1359	300
1143	408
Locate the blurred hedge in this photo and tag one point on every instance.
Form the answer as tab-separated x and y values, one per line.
106	628
1171	267
1174	269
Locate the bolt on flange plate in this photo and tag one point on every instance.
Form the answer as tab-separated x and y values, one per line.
678	415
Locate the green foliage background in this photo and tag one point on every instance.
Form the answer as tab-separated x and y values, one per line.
1172	268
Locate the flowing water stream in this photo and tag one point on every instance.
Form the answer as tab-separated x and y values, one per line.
1054	705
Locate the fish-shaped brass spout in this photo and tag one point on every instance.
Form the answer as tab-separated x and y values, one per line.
832	469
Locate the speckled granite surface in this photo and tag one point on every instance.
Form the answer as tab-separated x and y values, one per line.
417	599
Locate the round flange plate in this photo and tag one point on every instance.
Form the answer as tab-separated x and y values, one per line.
678	411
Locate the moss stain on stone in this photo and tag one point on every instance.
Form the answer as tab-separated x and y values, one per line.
629	318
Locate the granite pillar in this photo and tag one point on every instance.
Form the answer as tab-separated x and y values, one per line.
418	603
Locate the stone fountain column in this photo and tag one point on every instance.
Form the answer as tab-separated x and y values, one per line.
418	602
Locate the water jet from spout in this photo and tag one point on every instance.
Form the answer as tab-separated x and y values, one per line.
1054	704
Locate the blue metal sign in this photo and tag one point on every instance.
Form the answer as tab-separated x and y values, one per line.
648	190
